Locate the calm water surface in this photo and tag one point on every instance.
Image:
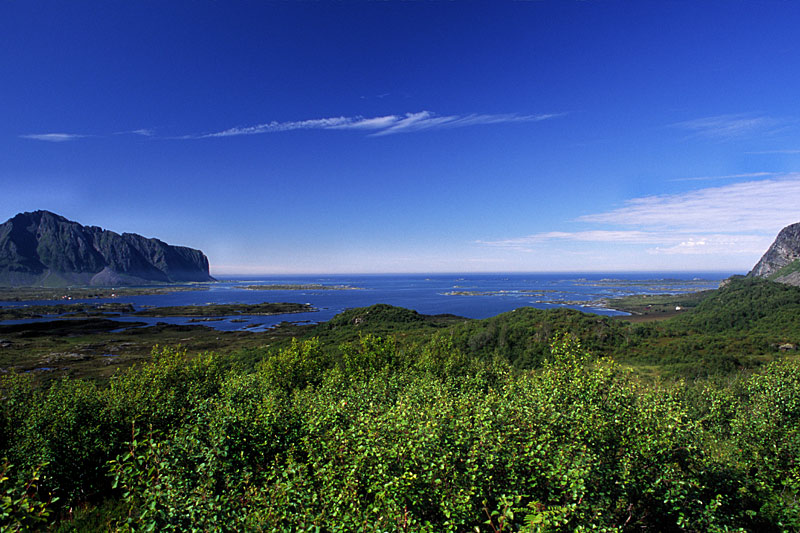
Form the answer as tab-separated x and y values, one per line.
468	295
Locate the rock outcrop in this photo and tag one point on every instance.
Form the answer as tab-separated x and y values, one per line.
781	262
45	249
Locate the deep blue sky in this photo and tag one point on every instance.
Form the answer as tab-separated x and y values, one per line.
316	137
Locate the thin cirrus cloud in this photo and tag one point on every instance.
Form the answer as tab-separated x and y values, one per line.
727	127
787	152
383	125
374	126
53	137
740	218
728	176
65	137
144	132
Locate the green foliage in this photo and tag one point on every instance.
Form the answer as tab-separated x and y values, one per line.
375	316
161	391
368	356
751	304
767	435
68	431
181	483
373	447
20	509
381	320
508	424
300	364
523	336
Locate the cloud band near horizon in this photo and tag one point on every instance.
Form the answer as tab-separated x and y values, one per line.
741	218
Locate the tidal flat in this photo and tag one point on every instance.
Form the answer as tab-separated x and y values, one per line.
83	339
95	348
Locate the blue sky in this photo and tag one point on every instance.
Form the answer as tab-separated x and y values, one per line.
354	137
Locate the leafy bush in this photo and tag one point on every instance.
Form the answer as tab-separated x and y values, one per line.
502	425
20	508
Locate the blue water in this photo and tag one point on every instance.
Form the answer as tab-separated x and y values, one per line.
481	295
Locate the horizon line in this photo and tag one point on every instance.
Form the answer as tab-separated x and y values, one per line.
474	272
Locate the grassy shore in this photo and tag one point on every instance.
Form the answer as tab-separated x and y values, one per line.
655	307
85	341
23	294
95	348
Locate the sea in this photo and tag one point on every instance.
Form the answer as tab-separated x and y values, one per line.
467	295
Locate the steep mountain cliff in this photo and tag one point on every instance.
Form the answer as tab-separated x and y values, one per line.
782	261
42	248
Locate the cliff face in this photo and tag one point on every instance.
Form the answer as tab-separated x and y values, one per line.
781	262
42	248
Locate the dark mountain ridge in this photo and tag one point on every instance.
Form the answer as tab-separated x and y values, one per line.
45	249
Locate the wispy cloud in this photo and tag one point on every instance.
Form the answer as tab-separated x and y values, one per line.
748	206
720	244
373	126
775	152
660	242
740	218
378	126
144	132
728	176
528	242
726	127
65	137
53	137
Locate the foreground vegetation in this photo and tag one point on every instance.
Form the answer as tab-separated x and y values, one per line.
383	419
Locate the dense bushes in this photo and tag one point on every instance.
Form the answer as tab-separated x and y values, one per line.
376	437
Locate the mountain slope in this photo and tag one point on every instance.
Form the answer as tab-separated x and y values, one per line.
42	248
781	262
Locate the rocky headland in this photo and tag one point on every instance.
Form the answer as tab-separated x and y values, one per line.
47	250
781	262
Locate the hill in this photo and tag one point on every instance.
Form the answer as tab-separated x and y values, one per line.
781	262
45	249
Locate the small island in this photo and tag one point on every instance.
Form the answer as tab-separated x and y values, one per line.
300	287
508	292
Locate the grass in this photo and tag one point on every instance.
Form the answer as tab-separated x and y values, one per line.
72	310
656	307
22	294
791	268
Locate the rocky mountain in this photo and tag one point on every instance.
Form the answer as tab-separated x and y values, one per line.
45	249
781	262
